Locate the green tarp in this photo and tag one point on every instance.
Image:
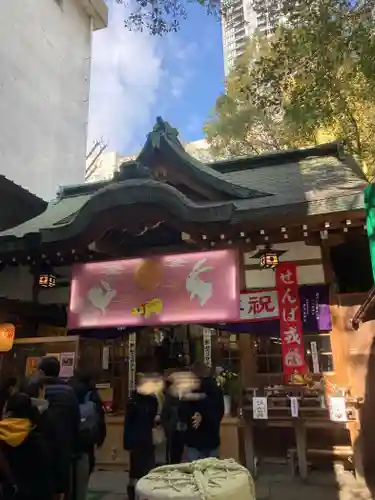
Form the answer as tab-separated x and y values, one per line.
370	222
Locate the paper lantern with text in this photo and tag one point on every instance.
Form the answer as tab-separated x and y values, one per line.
7	332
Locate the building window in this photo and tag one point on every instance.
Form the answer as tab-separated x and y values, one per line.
268	353
225	351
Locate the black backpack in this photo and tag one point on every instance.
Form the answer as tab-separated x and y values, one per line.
89	426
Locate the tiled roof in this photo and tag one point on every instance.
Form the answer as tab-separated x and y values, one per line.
307	182
313	179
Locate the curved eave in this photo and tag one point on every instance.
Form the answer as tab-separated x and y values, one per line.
175	154
124	195
127	196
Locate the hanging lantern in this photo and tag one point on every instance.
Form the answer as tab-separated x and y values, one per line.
7	333
47	280
269	258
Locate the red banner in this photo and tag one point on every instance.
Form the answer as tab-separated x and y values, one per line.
291	330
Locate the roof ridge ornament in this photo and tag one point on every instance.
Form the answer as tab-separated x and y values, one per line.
161	128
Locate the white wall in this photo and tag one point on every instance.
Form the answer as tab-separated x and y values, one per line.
45	48
297	252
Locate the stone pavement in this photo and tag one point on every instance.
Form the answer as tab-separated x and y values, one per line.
273	483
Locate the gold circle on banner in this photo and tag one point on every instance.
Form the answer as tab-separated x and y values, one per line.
148	275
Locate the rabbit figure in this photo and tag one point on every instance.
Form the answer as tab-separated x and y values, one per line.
196	286
101	296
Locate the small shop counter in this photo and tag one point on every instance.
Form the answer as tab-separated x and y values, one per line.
112	456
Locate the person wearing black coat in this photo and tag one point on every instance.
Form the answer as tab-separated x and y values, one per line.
85	390
64	410
174	429
25	465
141	412
47	424
84	385
7	388
202	417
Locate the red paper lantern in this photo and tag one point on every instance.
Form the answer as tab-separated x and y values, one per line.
7	333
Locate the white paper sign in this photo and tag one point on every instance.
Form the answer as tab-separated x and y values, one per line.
105	358
337	409
255	306
132	344
294	406
260	408
315	357
207	347
67	364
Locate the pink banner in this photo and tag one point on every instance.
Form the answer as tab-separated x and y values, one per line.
185	288
291	331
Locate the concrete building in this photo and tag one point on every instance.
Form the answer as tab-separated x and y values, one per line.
240	23
45	53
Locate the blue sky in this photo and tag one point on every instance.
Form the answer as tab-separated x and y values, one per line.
136	77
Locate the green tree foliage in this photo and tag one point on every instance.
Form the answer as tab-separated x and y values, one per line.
316	76
159	17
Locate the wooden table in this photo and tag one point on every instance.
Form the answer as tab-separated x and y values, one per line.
300	425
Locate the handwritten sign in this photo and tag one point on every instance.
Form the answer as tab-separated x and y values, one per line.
294	406
260	408
67	364
315	357
259	305
207	347
337	409
291	335
132	345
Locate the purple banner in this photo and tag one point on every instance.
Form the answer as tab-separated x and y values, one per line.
315	310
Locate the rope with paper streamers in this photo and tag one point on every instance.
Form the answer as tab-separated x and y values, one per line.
200	476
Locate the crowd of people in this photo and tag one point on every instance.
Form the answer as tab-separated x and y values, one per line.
50	428
188	410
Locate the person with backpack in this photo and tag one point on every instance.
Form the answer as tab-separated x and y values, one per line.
92	431
64	410
25	466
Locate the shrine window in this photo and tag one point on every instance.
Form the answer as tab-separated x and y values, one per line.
269	359
225	351
268	354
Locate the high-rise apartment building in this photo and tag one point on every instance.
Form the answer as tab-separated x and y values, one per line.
240	22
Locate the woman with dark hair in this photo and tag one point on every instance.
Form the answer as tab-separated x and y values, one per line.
7	389
24	451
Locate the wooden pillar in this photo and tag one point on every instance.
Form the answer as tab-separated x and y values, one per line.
248	360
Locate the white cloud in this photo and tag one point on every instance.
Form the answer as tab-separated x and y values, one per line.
126	75
177	85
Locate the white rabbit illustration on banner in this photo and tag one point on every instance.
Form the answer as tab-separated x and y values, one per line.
196	286
101	296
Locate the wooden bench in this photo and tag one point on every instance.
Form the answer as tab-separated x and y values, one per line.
345	452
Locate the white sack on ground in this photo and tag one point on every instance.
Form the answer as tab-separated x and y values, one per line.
208	479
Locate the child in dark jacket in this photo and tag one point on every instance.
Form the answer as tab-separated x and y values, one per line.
24	451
